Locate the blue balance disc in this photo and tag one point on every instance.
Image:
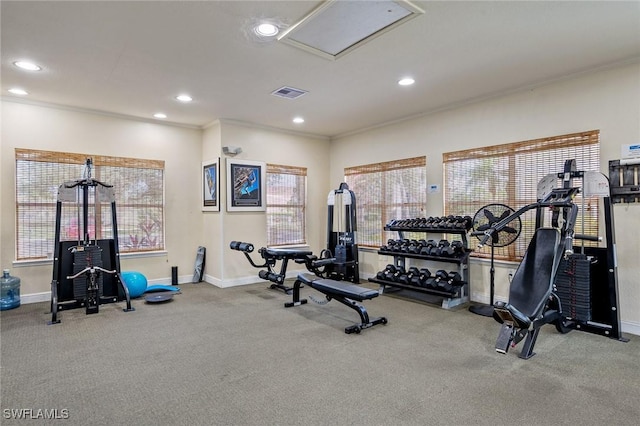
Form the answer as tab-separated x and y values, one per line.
159	297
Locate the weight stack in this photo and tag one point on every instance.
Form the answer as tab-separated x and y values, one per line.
573	287
86	256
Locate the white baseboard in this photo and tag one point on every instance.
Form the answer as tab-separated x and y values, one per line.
35	297
630	327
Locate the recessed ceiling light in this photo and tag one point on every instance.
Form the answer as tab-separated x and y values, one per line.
17	91
266	30
160	115
407	81
184	98
26	65
298	120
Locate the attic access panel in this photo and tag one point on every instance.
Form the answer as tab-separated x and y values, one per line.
335	28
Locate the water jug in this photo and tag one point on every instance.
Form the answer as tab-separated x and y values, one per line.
9	291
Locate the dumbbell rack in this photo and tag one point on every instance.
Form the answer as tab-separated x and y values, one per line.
449	299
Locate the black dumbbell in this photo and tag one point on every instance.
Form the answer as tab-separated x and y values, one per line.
399	274
424	277
448	281
458	248
414	276
468	222
443	249
430	282
428	247
414	247
387	273
440	279
403	277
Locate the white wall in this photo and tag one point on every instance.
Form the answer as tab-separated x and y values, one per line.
259	144
40	127
608	100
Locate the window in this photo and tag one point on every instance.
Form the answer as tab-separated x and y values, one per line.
139	192
286	204
509	174
386	191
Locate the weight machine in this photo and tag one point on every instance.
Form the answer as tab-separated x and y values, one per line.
557	282
341	235
339	261
86	272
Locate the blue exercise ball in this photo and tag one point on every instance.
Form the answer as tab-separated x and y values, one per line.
135	282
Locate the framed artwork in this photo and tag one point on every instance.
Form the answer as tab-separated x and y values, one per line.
210	191
245	185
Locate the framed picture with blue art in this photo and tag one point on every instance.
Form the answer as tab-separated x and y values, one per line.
210	192
245	185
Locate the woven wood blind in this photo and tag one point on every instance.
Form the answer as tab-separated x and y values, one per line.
384	191
286	205
139	190
509	173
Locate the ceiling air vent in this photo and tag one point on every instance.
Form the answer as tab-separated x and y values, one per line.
336	27
289	92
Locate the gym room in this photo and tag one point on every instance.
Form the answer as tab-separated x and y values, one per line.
320	212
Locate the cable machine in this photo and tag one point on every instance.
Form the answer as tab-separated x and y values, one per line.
341	235
86	272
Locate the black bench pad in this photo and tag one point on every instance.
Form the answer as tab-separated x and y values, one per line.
288	253
340	288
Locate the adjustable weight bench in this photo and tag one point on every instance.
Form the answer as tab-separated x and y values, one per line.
346	293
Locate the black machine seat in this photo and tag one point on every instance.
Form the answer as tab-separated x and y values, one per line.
343	292
530	292
288	253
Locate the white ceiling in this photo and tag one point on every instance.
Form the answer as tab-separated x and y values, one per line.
133	58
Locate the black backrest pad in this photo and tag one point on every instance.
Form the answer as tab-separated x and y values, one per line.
282	253
533	281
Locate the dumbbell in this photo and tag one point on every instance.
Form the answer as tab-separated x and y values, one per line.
402	276
388	246
429	222
430	282
414	247
413	275
450	222
387	273
240	246
428	247
468	222
459	223
442	223
448	281
423	277
458	248
399	274
394	245
443	249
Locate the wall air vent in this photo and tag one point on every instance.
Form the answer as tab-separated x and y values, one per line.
289	92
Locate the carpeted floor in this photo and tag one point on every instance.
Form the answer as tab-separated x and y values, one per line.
236	356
